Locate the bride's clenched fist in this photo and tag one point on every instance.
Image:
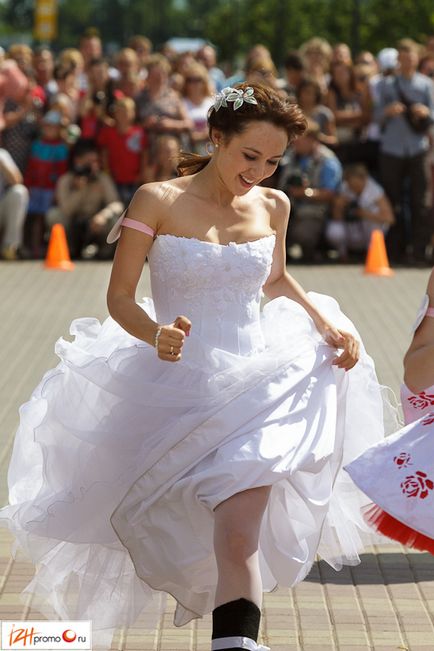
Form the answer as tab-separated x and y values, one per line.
169	339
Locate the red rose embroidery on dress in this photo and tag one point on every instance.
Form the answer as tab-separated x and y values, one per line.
403	460
428	419
422	400
417	485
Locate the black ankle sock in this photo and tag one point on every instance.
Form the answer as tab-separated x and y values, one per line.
238	618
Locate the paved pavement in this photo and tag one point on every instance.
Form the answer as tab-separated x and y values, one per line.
384	604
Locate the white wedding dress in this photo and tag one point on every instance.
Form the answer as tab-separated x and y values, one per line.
120	457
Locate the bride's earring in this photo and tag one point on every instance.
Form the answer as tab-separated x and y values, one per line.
208	147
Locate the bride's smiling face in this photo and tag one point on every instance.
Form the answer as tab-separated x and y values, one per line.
249	157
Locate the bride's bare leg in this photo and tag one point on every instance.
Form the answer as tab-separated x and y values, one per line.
236	534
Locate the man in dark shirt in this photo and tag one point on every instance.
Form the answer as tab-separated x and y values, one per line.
402	99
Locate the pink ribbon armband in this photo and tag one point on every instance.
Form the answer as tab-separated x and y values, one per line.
129	223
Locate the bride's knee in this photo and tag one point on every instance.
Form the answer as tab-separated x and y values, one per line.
235	547
237	525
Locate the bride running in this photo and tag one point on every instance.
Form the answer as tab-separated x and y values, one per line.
193	443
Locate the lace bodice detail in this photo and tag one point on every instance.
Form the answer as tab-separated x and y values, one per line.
218	287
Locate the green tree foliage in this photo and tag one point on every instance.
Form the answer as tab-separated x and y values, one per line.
385	21
73	18
235	25
17	14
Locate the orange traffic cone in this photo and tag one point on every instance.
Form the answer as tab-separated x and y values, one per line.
377	261
58	253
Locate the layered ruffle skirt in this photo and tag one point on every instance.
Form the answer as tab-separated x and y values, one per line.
120	459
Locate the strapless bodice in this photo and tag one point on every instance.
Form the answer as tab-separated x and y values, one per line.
217	286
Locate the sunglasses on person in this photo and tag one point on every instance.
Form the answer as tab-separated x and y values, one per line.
194	79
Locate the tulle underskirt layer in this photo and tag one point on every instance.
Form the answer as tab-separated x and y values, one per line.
120	459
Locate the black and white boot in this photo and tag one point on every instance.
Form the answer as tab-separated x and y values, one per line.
236	627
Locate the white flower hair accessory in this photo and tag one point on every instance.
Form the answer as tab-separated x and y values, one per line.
235	95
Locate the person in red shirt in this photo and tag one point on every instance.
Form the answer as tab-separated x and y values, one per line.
125	149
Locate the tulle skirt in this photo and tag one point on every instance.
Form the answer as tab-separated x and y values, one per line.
120	459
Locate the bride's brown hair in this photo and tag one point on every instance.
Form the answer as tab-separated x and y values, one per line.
271	107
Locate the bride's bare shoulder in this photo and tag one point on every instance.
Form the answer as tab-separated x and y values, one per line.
276	204
162	193
163	190
276	199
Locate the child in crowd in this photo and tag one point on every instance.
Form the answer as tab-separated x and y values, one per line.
48	161
124	149
167	152
398	473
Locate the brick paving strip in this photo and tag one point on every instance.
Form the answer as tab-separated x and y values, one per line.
384	604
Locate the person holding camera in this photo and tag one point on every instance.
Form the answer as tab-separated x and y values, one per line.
87	204
96	107
404	109
310	176
360	207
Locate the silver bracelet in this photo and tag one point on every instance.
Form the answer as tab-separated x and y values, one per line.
157	334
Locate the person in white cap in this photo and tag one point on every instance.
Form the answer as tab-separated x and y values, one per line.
387	60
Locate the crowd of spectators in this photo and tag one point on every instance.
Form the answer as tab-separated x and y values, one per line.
80	133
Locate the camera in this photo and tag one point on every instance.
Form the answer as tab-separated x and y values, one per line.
351	212
296	180
84	170
99	97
